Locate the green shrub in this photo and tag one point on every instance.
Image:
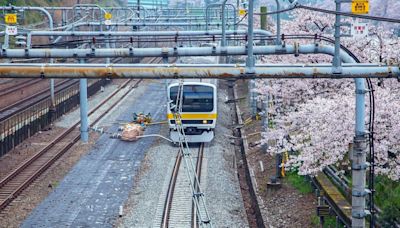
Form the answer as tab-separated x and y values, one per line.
387	198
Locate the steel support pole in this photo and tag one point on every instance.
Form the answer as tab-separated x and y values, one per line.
265	101
263	22
165	61
278	23
108	60
336	58
359	156
250	59
250	53
223	40
52	95
84	109
263	18
6	41
359	165
265	119
50	18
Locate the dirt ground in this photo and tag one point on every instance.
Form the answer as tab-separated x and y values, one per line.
284	206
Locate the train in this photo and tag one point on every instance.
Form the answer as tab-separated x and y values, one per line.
199	111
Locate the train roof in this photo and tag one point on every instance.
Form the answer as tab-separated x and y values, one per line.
193	83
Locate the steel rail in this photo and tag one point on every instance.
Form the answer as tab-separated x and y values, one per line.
28	179
37	97
172	185
15	190
170	192
13	89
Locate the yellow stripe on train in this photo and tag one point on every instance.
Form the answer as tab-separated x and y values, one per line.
194	116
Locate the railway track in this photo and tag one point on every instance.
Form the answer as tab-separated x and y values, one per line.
20	89
26	92
179	208
21	85
26	173
34	114
199	163
6	84
28	101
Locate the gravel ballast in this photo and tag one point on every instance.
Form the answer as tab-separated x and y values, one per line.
92	193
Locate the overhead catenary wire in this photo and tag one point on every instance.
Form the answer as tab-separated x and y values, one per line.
241	19
299	6
374	18
198	196
278	11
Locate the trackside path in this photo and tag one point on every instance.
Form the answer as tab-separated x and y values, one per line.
91	194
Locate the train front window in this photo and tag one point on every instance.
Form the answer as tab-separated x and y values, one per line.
196	98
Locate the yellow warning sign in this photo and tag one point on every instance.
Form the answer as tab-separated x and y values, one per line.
107	16
360	6
10	18
242	12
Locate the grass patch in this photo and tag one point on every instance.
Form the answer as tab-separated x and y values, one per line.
329	222
54	184
387	197
299	182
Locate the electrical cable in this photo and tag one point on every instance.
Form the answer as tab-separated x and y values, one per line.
392	20
299	6
241	19
278	11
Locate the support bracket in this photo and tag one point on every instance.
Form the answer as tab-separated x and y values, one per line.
360	215
362	193
296	49
361	166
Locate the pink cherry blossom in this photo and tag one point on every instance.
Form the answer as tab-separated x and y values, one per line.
314	119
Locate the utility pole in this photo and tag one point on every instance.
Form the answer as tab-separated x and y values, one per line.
265	101
83	108
359	154
250	59
337	62
278	23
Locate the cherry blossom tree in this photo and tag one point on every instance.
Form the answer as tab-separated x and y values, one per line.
314	119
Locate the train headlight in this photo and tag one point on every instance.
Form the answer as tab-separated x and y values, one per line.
205	121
